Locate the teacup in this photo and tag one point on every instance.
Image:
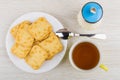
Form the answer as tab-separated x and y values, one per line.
86	56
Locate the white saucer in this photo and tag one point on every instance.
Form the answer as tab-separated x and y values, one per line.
21	64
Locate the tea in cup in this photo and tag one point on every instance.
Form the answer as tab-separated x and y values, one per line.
85	55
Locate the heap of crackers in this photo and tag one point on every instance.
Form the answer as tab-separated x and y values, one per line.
35	42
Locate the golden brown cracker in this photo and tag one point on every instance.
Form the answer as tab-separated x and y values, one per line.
15	28
36	57
52	44
23	37
20	51
40	29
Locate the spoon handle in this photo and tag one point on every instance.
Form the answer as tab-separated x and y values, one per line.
67	35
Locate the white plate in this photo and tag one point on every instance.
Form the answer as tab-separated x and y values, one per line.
20	63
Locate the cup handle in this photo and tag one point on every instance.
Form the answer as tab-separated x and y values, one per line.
102	66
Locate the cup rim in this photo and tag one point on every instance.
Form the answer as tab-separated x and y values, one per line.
71	52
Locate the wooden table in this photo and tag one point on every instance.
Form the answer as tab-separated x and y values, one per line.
65	11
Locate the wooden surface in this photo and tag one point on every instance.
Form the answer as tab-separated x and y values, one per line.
66	11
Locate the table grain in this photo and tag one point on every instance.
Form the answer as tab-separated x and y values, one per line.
66	12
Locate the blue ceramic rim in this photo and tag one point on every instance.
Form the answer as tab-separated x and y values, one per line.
84	17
